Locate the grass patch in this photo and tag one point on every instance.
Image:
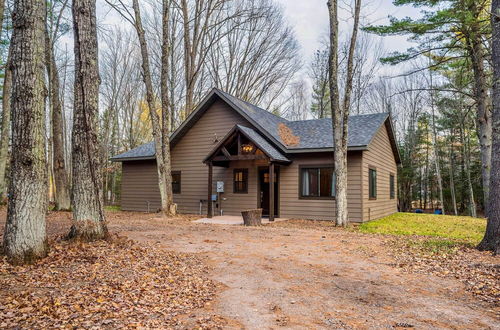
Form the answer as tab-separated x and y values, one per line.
113	208
458	228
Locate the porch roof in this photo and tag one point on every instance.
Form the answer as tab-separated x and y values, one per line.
268	149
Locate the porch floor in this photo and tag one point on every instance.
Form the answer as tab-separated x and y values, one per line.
231	220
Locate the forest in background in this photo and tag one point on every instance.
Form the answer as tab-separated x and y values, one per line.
249	49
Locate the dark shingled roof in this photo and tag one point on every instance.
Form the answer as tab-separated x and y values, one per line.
263	118
316	133
144	151
313	134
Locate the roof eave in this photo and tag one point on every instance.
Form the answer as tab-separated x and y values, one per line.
329	149
126	159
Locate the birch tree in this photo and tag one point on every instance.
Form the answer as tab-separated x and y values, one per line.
340	113
25	237
89	221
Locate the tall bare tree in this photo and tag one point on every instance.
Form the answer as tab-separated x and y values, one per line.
318	72
257	54
5	126
340	114
202	20
435	147
491	240
89	221
55	11
165	105
25	237
160	132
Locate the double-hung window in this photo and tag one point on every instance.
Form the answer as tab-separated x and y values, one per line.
317	182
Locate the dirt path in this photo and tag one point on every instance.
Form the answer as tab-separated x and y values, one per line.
308	278
315	279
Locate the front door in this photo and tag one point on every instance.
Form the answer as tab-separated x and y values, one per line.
263	201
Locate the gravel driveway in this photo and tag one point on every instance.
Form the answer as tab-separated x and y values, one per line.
300	278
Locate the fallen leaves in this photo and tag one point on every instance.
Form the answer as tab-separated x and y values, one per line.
287	136
105	284
479	271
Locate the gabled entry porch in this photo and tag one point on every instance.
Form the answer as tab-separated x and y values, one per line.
252	154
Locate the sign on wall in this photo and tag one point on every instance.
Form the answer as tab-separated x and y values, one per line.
220	186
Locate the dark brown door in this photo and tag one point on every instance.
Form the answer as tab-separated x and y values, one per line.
264	191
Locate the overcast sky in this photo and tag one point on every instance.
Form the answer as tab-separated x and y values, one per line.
310	21
309	18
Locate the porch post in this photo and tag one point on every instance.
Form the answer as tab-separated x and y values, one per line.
209	198
271	191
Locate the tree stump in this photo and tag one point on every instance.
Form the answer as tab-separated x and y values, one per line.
252	217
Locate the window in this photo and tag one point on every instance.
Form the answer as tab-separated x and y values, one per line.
391	183
372	177
317	182
240	181
176	182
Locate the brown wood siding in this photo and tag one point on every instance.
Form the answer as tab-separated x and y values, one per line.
379	156
292	206
189	152
140	186
237	202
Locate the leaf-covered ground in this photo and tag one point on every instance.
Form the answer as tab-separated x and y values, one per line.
443	246
479	271
106	284
265	276
433	244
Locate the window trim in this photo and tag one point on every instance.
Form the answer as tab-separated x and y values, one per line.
301	167
180	182
392	186
245	180
372	168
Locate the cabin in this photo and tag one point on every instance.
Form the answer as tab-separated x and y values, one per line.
230	155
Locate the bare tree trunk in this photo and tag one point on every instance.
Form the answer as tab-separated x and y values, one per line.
340	115
452	179
165	108
466	152
435	149
5	134
491	240
333	67
89	221
25	238
60	175
483	102
165	194
2	11
426	170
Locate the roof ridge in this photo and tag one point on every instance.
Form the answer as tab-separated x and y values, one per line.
251	104
350	116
